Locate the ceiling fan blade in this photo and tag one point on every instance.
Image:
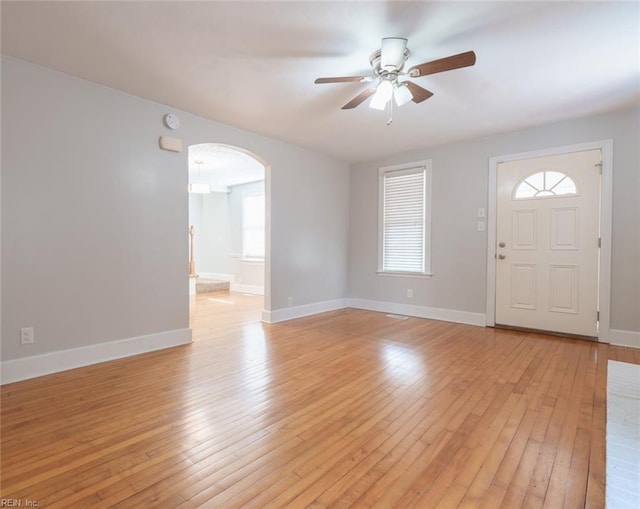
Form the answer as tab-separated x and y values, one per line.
419	94
443	64
360	98
345	79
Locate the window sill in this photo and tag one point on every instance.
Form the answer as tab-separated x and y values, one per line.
256	261
388	273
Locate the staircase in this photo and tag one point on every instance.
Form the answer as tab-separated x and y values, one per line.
211	285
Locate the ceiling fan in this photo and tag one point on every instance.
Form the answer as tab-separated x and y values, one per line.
388	64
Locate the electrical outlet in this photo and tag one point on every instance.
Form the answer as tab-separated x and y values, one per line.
290	301
26	336
410	293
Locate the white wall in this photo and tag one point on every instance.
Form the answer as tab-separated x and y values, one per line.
91	209
209	215
94	214
460	186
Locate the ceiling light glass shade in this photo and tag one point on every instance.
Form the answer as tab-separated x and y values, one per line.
382	95
402	94
199	188
392	52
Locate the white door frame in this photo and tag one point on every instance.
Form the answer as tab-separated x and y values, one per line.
604	277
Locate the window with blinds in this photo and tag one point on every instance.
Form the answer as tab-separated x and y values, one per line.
404	219
253	244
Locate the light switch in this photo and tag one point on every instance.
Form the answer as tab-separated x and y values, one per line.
480	226
481	212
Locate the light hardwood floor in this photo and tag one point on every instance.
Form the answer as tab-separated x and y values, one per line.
344	409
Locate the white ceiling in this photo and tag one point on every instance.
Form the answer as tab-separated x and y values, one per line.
221	166
252	64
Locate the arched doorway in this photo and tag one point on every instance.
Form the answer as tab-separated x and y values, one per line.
228	221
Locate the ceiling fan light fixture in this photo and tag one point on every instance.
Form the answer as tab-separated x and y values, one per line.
383	94
402	94
392	53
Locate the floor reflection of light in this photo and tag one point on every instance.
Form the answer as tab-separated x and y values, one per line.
256	358
221	301
204	428
402	362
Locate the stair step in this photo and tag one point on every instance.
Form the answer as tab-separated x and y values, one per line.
211	285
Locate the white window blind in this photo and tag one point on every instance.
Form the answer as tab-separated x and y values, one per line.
404	202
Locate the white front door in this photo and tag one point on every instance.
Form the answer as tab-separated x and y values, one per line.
547	233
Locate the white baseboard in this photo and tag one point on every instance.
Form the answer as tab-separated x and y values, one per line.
624	338
218	277
253	289
281	315
447	315
38	365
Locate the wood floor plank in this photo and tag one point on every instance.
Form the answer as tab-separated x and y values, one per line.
348	408
484	473
595	496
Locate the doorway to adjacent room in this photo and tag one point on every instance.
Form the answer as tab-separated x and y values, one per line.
228	224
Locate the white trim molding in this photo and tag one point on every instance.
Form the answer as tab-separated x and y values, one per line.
606	197
624	338
24	368
252	289
445	315
282	315
396	308
218	277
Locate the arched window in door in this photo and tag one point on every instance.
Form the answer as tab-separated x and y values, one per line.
544	184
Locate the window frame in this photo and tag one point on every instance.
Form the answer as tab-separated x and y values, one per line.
250	256
424	167
543	171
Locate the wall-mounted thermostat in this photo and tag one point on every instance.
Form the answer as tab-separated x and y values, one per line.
171	120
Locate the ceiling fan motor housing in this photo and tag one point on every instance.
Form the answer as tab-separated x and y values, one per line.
376	63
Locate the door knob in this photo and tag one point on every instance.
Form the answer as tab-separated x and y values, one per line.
502	244
501	256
